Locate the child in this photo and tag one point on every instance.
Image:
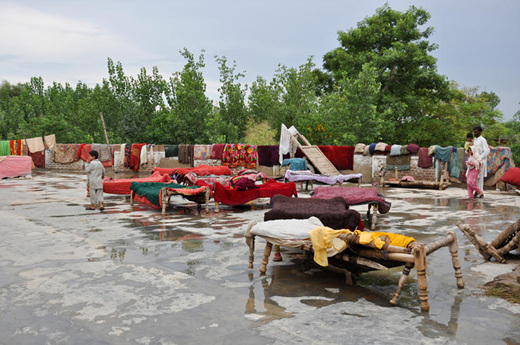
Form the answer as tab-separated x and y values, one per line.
95	173
469	142
473	164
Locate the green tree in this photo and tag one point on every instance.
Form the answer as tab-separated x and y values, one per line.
230	121
393	43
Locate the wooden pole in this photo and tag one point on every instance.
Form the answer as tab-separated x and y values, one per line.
106	138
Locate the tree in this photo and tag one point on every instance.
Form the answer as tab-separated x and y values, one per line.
232	116
393	43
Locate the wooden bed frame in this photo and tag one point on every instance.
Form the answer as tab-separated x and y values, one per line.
443	183
506	241
368	258
167	194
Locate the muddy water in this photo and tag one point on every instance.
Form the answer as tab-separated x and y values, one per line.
130	275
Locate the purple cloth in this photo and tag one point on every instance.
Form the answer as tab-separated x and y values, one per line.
412	148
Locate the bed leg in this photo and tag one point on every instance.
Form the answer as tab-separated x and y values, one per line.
454	250
206	196
250	240
131	199
349	279
420	265
216	207
265	260
374	216
277	254
402	281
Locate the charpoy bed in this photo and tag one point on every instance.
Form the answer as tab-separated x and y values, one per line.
201	170
508	240
122	186
353	252
357	196
232	196
307	176
158	194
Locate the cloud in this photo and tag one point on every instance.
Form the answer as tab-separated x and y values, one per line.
31	34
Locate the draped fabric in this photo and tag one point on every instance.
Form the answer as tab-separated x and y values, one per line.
342	157
5	149
135	155
35	144
83	151
240	155
184	154
425	160
50	141
65	153
171	150
268	155
128	155
216	151
38	158
202	152
400	162
499	156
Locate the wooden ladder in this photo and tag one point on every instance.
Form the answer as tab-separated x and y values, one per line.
315	156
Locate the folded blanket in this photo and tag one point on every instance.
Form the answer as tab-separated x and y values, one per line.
354	196
425	160
333	212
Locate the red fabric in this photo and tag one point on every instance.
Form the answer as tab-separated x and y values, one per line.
388	148
14	166
38	158
201	170
424	161
83	151
135	156
143	200
512	176
216	151
342	157
269	189
122	186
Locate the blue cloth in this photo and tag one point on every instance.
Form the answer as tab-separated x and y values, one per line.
454	165
295	163
372	148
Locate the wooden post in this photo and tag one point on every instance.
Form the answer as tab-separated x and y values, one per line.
419	253
406	272
454	250
106	138
265	260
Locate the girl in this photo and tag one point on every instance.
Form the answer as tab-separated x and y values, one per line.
473	164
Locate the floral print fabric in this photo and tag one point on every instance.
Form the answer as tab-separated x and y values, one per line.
240	155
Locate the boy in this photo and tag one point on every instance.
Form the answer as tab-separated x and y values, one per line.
95	173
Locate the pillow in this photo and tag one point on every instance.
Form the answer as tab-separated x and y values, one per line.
512	176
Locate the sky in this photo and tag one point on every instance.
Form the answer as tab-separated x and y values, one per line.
69	41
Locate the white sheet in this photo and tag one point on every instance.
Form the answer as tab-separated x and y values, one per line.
287	229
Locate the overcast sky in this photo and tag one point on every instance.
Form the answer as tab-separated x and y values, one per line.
70	41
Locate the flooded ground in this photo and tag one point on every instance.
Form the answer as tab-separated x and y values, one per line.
130	275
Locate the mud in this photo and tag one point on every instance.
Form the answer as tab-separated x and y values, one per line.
130	275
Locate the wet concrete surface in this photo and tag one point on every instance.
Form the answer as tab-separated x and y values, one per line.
130	275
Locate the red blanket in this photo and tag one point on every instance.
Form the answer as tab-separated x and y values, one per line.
342	157
122	186
135	156
228	196
14	166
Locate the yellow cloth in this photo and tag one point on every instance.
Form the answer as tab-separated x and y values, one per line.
322	239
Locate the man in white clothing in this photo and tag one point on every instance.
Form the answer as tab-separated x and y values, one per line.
483	149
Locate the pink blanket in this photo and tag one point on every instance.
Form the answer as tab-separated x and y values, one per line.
14	166
354	196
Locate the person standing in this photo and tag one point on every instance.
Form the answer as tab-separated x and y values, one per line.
483	149
473	164
95	173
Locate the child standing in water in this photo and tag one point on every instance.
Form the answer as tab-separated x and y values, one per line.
473	164
95	173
